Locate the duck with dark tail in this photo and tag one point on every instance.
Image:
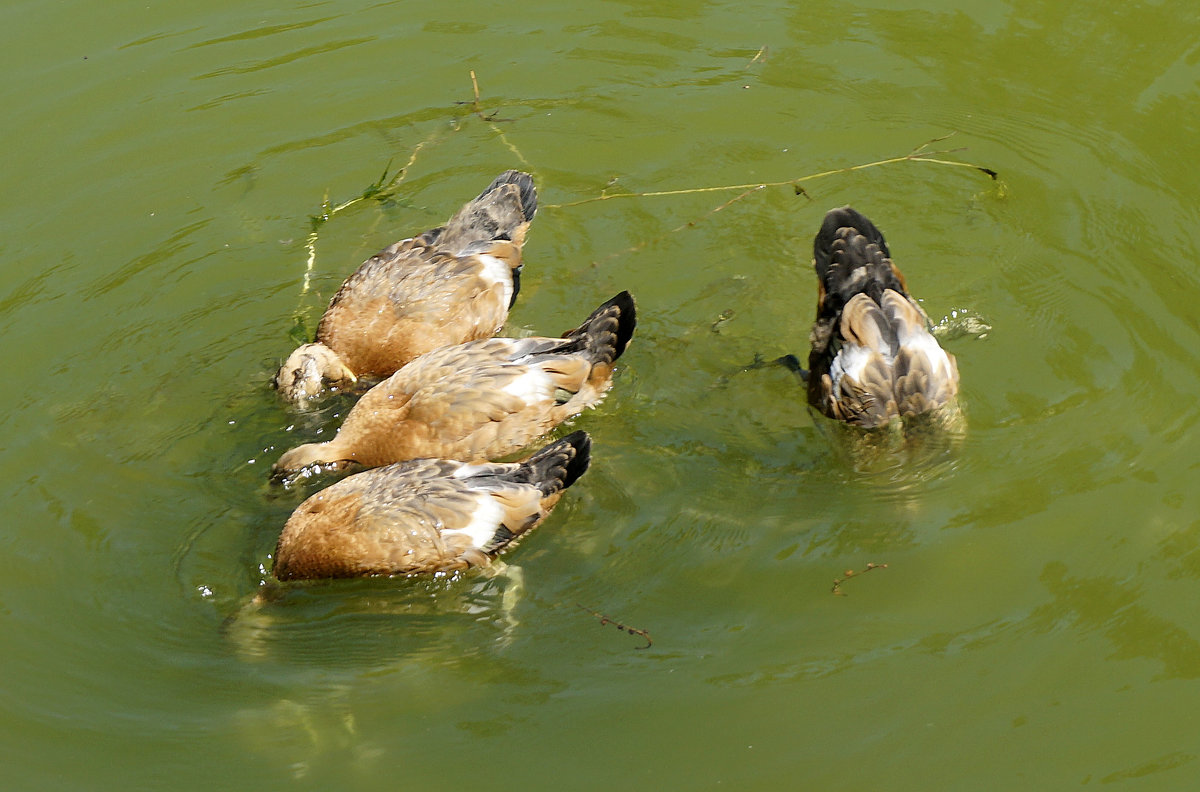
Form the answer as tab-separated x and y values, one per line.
873	358
427	515
476	401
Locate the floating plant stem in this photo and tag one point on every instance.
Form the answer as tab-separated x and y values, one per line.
849	573
604	620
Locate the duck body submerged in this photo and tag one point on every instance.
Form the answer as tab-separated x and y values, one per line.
479	400
445	286
873	359
426	515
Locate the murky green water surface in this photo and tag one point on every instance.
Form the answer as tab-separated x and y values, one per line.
1036	626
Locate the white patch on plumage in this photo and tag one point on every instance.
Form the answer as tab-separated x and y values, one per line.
465	471
850	362
485	518
920	342
532	386
496	271
917	339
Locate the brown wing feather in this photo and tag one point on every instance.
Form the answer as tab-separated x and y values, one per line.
860	389
864	324
397	307
452	404
445	286
926	376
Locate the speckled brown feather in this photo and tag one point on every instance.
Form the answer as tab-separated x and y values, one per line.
479	400
437	300
425	515
873	358
922	382
433	290
866	400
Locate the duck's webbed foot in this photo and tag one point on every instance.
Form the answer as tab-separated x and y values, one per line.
789	362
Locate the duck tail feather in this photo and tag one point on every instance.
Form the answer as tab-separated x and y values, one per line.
558	465
605	334
527	192
502	211
851	257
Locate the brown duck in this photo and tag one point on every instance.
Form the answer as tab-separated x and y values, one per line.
445	286
426	515
478	400
873	358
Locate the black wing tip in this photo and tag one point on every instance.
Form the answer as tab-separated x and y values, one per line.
597	333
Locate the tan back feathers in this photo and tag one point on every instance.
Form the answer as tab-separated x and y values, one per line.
445	286
425	515
479	400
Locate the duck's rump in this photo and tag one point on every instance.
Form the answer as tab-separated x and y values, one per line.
881	364
472	401
412	299
503	211
445	286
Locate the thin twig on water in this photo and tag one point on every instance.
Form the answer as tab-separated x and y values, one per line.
678	228
476	107
623	627
491	120
919	154
761	56
849	573
381	190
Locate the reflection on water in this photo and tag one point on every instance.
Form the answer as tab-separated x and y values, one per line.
356	624
902	455
305	734
1110	606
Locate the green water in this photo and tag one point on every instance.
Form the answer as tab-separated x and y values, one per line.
1036	626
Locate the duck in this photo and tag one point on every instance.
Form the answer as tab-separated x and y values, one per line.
475	401
445	286
873	360
425	515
